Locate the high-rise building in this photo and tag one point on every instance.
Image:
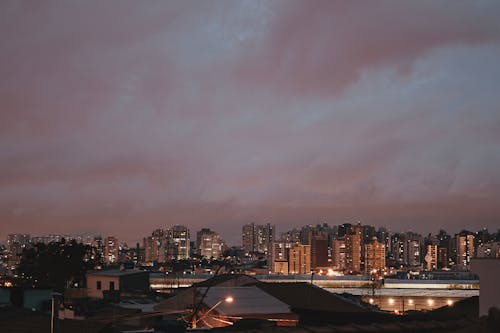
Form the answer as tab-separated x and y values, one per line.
299	259
154	246
384	236
247	235
353	251
319	251
412	252
397	249
442	261
343	229
177	242
306	234
465	249
110	250
431	257
279	251
258	238
279	257
339	254
208	243
374	256
292	236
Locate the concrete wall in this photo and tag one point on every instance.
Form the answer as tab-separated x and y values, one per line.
92	290
489	274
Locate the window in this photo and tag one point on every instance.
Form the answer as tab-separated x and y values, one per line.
111	285
99	285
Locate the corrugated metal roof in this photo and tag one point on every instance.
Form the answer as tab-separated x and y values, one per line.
246	300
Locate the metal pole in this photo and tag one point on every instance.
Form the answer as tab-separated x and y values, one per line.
206	313
54	322
193	317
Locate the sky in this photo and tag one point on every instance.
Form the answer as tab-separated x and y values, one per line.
120	117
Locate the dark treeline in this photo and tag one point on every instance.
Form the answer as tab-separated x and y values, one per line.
56	265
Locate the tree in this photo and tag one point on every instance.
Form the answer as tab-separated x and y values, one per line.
56	265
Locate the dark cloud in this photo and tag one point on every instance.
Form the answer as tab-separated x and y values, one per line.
121	117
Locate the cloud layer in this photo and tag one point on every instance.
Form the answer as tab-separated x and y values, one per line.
119	117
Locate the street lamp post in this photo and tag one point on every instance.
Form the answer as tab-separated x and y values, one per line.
228	299
54	322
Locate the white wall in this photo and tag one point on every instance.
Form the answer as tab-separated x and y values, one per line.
489	281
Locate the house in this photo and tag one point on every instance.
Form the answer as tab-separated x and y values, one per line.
122	281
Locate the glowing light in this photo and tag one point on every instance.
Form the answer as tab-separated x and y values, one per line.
229	299
331	272
371	300
430	302
449	302
410	301
396	311
391	301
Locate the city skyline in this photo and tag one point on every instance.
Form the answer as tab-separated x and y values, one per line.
122	118
277	234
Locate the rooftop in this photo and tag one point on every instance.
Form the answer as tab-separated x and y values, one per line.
247	300
116	272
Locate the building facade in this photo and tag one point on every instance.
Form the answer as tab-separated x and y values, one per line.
374	256
465	249
110	250
258	238
299	259
353	252
208	243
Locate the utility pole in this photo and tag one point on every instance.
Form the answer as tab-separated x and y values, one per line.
54	322
194	317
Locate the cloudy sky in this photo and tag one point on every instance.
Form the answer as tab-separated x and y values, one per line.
120	117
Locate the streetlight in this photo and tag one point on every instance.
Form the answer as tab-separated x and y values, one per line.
228	299
54	322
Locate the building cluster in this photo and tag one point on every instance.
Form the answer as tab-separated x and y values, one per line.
175	244
362	249
164	245
342	249
351	249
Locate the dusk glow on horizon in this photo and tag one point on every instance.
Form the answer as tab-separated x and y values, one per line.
120	117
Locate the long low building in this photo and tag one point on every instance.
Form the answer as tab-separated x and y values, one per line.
160	281
431	284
